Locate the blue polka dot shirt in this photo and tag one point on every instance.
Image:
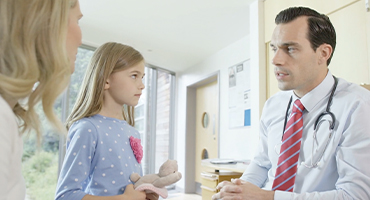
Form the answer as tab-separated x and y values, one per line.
99	159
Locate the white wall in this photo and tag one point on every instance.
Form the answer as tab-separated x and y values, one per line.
232	141
238	143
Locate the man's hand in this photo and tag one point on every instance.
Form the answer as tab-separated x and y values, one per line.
241	190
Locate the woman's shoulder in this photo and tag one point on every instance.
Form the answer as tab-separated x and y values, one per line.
9	131
6	110
7	117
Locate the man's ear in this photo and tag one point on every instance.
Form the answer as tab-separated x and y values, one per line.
107	84
324	52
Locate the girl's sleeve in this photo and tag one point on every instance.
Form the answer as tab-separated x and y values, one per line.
81	144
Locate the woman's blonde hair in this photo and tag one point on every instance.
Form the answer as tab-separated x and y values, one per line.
33	50
107	59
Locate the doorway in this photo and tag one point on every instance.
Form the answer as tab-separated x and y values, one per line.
202	128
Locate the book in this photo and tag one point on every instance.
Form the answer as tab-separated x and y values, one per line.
228	161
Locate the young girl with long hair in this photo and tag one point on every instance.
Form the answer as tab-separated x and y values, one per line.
102	145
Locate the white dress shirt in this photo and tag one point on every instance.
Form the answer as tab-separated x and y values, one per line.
344	169
12	185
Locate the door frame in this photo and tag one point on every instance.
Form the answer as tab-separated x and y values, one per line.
190	130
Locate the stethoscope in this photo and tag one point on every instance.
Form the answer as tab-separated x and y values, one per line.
317	124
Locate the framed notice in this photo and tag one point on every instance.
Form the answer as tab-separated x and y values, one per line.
239	95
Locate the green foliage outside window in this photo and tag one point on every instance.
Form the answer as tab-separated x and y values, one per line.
40	163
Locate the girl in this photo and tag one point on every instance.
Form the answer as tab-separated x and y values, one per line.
101	145
38	44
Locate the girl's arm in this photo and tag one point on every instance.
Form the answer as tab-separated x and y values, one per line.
130	194
81	145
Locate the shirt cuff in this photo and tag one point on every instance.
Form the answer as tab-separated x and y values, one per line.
282	195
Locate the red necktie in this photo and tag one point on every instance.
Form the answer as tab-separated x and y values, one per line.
289	152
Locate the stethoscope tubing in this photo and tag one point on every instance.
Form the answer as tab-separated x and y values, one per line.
317	124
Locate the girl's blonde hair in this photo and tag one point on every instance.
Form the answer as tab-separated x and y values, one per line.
33	50
107	59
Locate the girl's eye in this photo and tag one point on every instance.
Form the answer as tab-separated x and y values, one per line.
134	76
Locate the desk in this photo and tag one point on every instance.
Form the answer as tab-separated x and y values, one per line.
213	176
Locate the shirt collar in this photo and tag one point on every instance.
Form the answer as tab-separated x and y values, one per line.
312	98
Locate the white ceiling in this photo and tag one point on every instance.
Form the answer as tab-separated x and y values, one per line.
170	34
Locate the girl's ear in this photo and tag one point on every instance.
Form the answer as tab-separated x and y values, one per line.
107	85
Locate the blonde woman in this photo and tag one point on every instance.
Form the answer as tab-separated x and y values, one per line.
103	148
38	44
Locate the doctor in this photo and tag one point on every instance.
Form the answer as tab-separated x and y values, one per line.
294	161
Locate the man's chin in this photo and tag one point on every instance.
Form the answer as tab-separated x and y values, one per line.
284	87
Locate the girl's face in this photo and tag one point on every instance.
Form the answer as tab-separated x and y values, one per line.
74	36
125	86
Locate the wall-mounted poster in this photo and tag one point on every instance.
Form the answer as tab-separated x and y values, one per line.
239	95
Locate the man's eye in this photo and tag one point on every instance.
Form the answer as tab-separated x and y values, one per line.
291	49
274	49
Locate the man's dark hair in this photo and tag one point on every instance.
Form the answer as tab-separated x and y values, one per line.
320	29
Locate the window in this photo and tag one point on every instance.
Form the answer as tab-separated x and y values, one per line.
154	118
83	58
163	116
40	166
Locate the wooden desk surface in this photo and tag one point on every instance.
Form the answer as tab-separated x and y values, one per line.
238	167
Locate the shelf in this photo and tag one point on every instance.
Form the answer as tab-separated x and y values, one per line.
238	167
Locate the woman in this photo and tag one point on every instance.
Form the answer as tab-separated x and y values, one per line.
38	46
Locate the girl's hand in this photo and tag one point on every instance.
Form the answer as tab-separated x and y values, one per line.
152	196
132	194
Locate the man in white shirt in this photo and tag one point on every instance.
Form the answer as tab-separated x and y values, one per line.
333	161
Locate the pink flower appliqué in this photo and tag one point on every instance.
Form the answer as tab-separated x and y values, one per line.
137	148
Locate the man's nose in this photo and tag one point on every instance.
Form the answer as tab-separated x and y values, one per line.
278	58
